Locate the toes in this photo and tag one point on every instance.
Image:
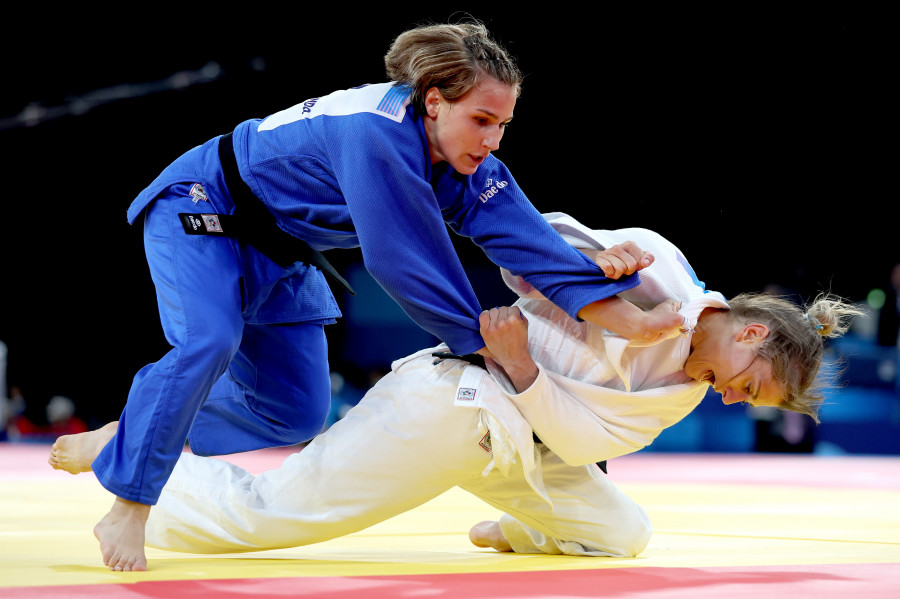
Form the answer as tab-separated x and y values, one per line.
117	563
129	564
108	560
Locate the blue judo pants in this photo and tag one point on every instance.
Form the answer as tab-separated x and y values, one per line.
248	366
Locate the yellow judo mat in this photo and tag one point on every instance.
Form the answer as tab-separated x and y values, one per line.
725	526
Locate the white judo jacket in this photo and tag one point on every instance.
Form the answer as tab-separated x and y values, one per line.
597	395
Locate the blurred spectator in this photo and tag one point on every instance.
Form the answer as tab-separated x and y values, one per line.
26	413
61	420
780	431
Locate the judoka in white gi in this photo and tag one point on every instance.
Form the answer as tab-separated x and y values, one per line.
426	427
524	434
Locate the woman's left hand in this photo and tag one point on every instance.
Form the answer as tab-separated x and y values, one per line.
623	259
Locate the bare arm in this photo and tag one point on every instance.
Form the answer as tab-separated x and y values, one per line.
613	313
620	316
629	321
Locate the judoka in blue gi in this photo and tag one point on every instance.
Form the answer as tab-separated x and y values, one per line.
384	167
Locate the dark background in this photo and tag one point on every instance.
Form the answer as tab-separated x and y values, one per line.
757	141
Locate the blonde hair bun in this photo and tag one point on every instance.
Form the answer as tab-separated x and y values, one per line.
830	315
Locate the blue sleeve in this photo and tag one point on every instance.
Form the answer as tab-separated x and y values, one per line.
490	208
382	168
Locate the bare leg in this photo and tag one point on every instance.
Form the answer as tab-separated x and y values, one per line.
75	453
121	531
488	534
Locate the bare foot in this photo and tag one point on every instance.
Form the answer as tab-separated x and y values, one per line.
488	534
75	453
121	536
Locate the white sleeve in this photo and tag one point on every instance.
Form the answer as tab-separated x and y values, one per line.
583	423
670	276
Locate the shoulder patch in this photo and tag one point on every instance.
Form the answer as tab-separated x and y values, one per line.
394	101
384	99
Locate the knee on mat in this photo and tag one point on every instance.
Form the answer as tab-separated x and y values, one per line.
629	537
637	539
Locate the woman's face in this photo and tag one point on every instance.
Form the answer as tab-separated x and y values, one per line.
464	132
728	361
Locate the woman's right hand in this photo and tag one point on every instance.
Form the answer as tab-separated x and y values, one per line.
505	333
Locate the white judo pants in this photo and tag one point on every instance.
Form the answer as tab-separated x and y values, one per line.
402	445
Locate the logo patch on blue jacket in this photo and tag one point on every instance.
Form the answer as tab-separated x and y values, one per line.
491	188
198	193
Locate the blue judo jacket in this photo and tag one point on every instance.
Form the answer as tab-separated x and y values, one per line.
353	169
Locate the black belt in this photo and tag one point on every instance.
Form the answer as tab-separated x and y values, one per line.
475	359
253	224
